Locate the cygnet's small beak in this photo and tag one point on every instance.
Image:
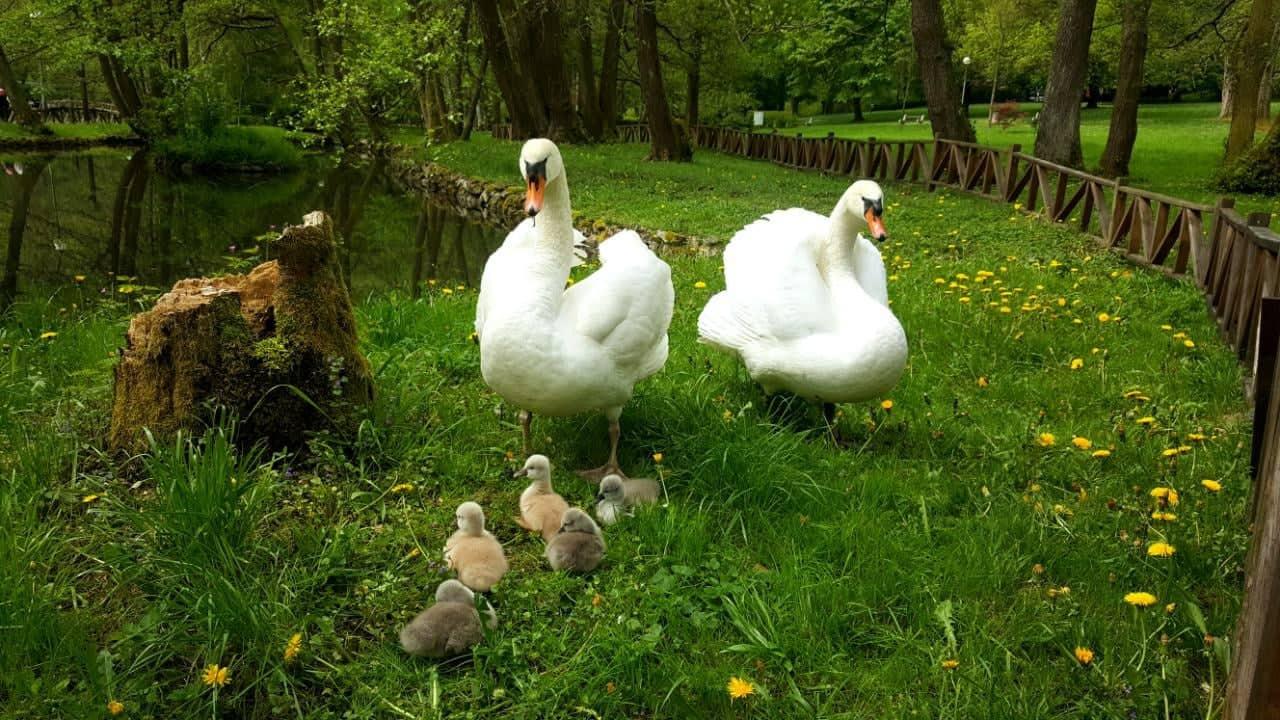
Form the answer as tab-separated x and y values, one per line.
875	224
599	497
522	472
533	195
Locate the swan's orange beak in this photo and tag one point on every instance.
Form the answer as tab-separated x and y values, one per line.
876	225
533	195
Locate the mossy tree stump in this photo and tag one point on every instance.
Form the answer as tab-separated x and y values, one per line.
277	347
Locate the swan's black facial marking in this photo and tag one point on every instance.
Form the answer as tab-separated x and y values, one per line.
875	207
535	170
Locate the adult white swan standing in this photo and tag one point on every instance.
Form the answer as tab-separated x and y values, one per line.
555	351
807	305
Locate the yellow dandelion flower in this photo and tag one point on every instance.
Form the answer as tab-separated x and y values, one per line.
1211	485
1084	655
89	498
1166	328
1169	452
79	278
739	688
1140	599
657	458
700	285
1131	394
1077	363
1148	420
1197	437
727	415
49	335
1102	453
950	664
293	647
1161	550
1103	317
983	381
447	291
1179	335
1046	439
886	404
401	488
1168	609
1164	516
216	675
1189	343
1083	443
1037	569
115	707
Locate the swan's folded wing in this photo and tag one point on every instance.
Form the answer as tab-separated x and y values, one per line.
626	305
775	291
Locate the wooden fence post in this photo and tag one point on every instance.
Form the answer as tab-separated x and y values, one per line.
1253	688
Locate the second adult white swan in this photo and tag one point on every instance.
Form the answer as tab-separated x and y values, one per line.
555	351
806	306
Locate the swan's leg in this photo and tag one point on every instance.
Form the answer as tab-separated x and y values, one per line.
829	413
526	419
595	475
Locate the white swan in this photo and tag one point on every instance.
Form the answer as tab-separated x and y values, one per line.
807	304
555	351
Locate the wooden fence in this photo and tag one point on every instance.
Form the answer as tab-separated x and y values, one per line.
1235	264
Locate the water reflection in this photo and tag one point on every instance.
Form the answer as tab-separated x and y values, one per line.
112	218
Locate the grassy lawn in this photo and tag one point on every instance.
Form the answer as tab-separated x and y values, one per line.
67	131
1179	147
843	582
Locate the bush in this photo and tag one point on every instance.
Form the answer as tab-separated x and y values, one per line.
231	148
1257	171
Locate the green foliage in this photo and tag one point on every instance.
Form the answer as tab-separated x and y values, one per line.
1257	171
231	148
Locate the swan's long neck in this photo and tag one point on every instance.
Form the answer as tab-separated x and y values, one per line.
836	257
553	226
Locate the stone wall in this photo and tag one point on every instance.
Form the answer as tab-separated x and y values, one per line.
503	206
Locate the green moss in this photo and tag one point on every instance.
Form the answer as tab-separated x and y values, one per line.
273	353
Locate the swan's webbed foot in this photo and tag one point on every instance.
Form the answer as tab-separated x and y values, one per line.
595	475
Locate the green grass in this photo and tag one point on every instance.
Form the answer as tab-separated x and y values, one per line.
1178	152
66	131
837	580
234	147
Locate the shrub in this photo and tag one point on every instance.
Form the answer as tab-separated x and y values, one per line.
1257	171
232	148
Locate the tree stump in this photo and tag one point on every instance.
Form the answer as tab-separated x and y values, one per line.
277	347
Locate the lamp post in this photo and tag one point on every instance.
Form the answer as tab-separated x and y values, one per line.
964	87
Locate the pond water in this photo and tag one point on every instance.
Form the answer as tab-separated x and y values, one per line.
111	222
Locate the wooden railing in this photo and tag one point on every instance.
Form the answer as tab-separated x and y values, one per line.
1235	265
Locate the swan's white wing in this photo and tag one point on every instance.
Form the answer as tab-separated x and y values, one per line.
625	306
509	262
774	289
869	269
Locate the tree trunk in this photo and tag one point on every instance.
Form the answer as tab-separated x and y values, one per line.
693	85
941	85
1251	55
1058	134
608	90
84	93
588	93
1228	92
526	121
991	104
469	122
1264	91
18	100
543	41
1124	111
857	110
666	140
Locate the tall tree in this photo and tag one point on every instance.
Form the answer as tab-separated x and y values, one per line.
588	90
666	140
608	90
1124	113
1058	134
18	99
516	91
941	84
1250	58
